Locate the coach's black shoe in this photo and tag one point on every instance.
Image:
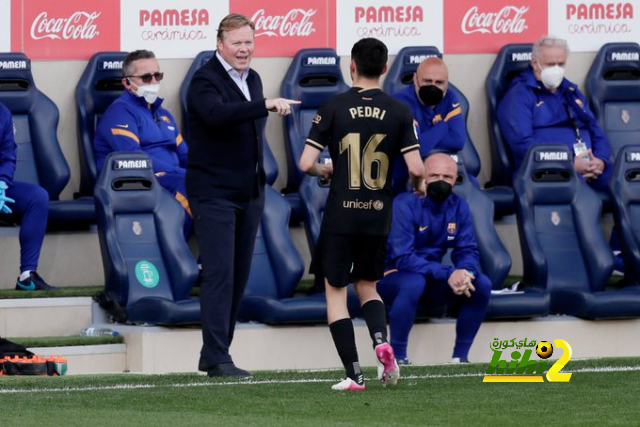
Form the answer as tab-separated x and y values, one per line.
34	283
459	360
227	370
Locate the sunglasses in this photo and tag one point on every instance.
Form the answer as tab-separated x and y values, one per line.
146	78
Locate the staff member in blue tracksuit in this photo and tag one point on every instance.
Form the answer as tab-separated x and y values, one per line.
137	122
27	202
542	106
436	112
422	231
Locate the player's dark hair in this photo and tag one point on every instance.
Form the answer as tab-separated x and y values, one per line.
127	65
370	56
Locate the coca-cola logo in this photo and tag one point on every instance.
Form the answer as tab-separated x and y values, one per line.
509	19
295	23
80	25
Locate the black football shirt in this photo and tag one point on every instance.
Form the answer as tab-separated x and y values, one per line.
365	130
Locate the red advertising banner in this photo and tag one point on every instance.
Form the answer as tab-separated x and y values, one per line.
474	26
284	27
64	29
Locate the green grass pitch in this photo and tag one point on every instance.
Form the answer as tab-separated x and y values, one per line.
600	392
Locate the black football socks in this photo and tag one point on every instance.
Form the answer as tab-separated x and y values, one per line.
345	340
375	316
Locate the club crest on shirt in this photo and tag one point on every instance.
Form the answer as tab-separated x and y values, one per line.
451	228
165	119
555	218
317	119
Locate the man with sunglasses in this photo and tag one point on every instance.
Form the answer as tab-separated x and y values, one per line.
137	122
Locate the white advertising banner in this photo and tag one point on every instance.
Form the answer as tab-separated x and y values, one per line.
397	23
587	25
5	26
171	29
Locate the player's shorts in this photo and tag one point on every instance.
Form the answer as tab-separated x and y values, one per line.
343	258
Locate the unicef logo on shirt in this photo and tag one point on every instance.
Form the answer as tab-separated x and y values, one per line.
147	274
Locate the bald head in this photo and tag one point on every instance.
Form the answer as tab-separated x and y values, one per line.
431	72
440	167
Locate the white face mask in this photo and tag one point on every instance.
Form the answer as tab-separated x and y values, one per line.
148	92
552	76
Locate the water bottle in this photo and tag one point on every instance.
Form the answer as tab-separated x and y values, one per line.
96	332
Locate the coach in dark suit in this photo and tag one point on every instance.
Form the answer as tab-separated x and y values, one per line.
225	181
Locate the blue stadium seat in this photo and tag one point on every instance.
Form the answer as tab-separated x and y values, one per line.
149	269
510	61
625	187
613	90
276	271
313	76
40	160
270	164
563	246
400	75
495	261
313	198
99	85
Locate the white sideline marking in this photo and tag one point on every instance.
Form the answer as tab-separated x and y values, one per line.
261	382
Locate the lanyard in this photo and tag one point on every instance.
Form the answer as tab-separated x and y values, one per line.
573	122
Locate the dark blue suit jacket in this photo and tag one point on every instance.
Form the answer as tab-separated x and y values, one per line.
225	135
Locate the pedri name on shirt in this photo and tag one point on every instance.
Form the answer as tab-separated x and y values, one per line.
366	111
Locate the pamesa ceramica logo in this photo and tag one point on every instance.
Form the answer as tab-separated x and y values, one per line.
521	369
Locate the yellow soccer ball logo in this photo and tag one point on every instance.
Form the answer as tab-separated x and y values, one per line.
544	349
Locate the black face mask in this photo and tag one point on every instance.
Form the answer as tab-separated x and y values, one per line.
439	191
430	95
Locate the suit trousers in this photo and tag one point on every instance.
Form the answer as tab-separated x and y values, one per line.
226	233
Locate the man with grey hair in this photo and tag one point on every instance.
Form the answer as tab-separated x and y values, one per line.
543	107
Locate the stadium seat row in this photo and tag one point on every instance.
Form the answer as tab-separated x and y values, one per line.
277	265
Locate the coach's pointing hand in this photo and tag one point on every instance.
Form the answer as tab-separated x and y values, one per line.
282	106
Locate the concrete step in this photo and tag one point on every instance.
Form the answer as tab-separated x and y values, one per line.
258	347
153	349
67	258
89	359
44	317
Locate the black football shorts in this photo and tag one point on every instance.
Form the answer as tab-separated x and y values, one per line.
344	258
